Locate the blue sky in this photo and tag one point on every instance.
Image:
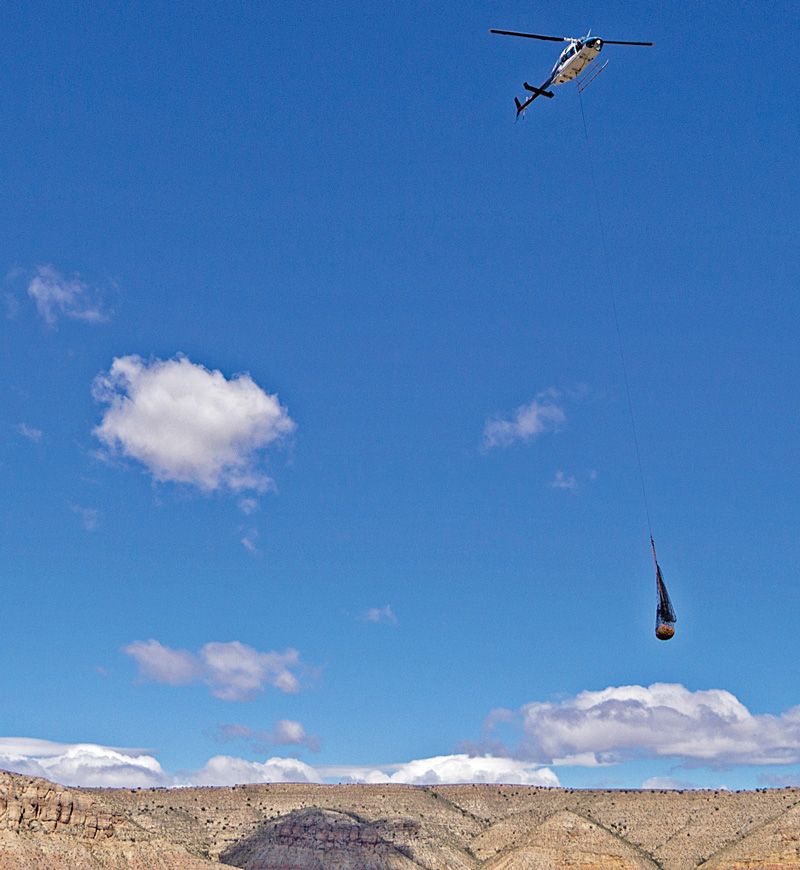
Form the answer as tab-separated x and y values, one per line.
326	259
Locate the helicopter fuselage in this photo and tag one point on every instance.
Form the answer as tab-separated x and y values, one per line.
574	59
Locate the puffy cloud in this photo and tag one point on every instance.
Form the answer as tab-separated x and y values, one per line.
381	614
706	727
286	732
466	768
92	765
88	764
161	664
229	770
442	769
187	424
234	671
542	415
56	296
81	764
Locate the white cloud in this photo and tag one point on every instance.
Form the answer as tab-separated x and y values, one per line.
564	481
30	432
666	783
90	517
248	540
705	727
381	614
248	505
81	764
286	732
447	769
229	770
93	765
466	768
187	424
541	415
234	671
56	296
159	663
96	766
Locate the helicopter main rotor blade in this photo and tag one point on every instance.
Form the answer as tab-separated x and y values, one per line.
531	35
622	42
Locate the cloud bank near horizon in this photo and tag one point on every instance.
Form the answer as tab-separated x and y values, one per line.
702	728
81	764
94	765
707	728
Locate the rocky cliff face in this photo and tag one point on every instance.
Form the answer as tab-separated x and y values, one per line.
38	806
49	827
311	827
325	840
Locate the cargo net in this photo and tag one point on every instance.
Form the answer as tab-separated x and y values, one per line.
665	612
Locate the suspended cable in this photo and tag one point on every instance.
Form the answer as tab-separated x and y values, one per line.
620	344
665	613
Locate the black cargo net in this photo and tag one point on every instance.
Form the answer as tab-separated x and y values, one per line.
665	612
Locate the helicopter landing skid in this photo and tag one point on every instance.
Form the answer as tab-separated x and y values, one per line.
586	82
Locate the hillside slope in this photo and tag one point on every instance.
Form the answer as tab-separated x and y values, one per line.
369	827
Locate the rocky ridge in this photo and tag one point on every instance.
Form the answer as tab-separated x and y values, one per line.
369	827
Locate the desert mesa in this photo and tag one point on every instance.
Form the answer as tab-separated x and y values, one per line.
400	827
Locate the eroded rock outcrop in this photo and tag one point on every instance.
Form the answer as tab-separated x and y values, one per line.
35	805
49	827
315	839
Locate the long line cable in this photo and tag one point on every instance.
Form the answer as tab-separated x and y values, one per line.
613	296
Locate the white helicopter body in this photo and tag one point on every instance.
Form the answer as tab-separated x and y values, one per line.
572	61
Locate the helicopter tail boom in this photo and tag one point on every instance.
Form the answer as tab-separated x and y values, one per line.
534	93
539	92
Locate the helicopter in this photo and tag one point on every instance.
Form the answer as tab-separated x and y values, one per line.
572	61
